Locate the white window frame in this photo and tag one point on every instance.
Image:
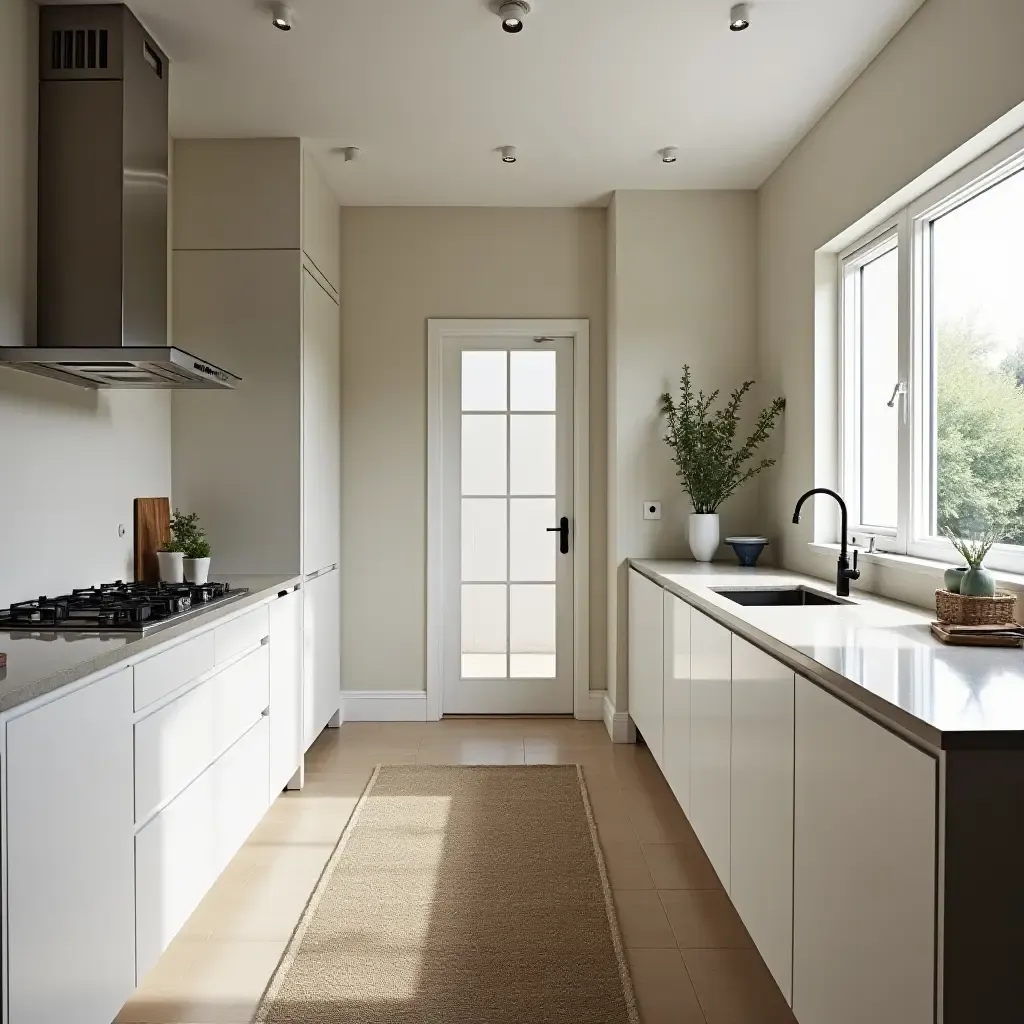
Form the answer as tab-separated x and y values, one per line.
911	228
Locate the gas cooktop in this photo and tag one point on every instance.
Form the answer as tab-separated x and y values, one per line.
117	607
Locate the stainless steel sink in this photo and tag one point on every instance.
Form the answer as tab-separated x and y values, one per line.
778	597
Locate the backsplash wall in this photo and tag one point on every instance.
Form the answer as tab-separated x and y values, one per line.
71	460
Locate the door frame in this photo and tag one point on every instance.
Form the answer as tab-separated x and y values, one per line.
437	332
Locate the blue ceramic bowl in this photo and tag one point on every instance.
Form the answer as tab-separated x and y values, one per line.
748	549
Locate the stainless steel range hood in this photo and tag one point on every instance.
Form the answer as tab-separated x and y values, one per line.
102	272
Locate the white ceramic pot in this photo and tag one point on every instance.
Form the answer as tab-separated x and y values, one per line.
171	567
197	570
704	535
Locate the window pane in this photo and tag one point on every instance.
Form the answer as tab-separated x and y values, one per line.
879	371
532	548
978	351
484	384
533	454
484	539
533	381
532	631
483	632
483	455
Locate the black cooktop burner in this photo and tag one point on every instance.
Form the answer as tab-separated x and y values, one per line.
120	606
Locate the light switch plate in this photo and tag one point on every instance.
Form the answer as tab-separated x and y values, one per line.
652	510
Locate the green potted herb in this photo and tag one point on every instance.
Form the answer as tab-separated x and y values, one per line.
977	581
711	468
173	553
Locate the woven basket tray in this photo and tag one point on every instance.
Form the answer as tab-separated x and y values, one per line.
975	611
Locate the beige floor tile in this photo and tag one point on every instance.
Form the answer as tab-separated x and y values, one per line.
704	919
642	920
610	816
472	750
626	866
163	991
299	819
664	992
656	816
733	986
682	865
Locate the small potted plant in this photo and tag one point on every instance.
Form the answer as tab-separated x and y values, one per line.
710	466
197	558
977	581
170	557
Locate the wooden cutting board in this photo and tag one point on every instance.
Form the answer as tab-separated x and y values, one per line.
986	639
152	528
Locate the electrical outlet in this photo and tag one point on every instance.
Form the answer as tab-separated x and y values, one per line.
652	510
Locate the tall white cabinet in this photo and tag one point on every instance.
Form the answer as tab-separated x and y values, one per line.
676	703
256	273
646	653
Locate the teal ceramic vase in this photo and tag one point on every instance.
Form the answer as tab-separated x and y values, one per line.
978	582
952	578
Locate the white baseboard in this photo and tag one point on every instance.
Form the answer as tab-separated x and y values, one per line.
618	724
383	705
591	709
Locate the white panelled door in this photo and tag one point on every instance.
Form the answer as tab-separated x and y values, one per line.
507	516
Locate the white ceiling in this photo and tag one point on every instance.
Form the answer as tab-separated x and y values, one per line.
588	91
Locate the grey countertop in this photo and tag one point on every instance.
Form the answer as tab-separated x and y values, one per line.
39	663
878	655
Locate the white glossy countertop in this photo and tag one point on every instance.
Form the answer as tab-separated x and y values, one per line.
876	654
39	663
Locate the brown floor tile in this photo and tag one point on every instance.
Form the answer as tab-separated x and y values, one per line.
642	920
610	815
472	750
664	992
682	865
733	986
703	919
626	866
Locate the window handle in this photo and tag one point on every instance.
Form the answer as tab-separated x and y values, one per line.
900	391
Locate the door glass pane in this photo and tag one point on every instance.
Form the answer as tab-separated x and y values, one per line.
484	381
484	539
532	631
531	548
533	381
483	631
483	455
978	339
533	448
879	371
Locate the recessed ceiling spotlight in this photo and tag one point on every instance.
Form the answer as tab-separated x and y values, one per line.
281	17
739	17
508	154
513	13
669	154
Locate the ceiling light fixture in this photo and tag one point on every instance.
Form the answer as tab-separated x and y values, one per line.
669	154
513	13
281	17
739	17
508	154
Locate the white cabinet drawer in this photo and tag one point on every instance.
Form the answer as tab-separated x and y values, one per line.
157	676
242	633
176	743
181	852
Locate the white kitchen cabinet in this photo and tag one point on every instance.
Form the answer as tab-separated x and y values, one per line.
286	728
761	793
321	223
676	743
646	654
321	659
864	869
321	426
180	853
69	827
711	738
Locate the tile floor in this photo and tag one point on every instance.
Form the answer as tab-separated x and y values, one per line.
691	959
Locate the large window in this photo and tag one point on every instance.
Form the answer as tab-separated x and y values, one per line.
932	328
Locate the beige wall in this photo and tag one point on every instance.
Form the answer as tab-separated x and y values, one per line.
952	70
400	267
682	289
73	459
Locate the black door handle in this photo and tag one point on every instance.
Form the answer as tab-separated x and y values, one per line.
562	529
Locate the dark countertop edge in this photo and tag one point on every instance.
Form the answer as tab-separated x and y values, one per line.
878	709
110	659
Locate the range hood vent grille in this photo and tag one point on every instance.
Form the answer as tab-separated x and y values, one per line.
79	49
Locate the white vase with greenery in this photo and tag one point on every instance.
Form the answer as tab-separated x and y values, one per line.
708	464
